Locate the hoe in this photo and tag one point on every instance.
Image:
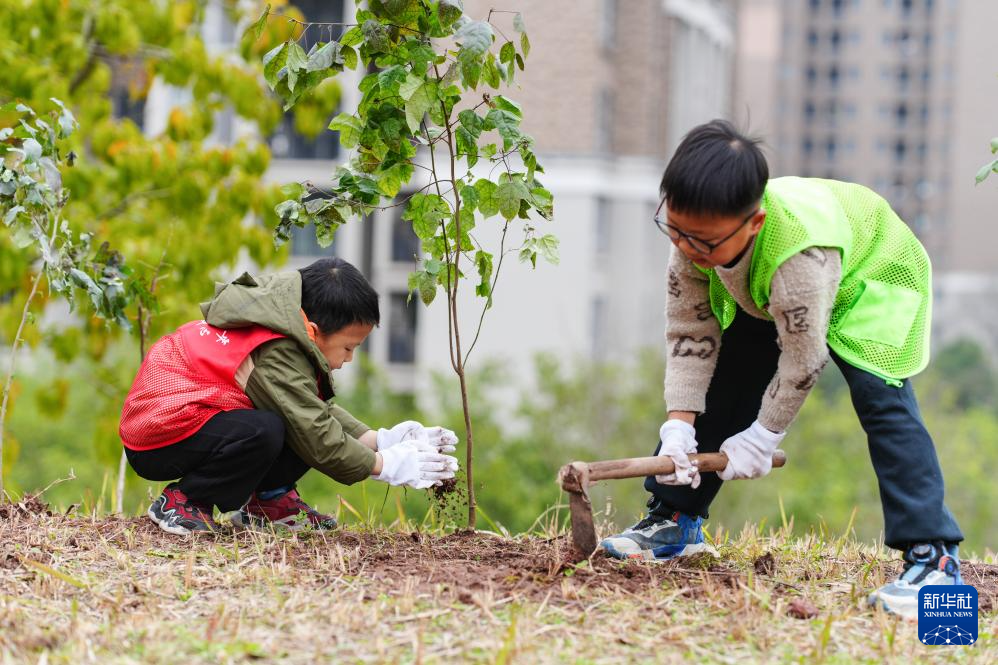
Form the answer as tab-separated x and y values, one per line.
576	477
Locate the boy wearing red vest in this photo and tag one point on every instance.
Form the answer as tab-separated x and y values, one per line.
238	405
768	280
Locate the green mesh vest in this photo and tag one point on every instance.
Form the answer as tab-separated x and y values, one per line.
880	320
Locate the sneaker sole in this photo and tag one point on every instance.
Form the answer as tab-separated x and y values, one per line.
906	608
166	526
237	520
647	555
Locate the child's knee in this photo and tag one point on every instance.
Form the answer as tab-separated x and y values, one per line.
270	436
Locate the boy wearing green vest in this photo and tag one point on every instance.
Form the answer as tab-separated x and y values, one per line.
767	281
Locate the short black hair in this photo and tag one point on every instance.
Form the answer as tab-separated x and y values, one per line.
335	294
716	171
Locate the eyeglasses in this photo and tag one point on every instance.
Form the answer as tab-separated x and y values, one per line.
700	246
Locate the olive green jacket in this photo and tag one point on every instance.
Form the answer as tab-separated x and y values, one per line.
290	376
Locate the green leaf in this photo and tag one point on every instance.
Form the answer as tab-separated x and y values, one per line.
273	62
548	246
488	204
297	60
528	253
490	72
483	262
475	37
983	173
508	126
509	194
256	28
507	52
469	197
376	35
410	85
425	283
416	107
518	23
426	211
349	56
352	37
288	210
389	182
11	215
32	150
349	128
325	234
507	104
390	79
525	47
449	11
324	57
433	266
542	200
466	145
994	145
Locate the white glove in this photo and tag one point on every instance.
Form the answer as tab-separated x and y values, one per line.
406	464
440	439
389	437
750	452
678	441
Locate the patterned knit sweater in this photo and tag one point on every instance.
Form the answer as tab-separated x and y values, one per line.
802	294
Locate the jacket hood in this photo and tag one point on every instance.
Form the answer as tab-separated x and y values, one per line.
272	301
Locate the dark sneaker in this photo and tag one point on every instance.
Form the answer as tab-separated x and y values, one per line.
924	564
658	538
287	510
175	513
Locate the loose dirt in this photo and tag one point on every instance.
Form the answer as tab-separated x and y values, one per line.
463	565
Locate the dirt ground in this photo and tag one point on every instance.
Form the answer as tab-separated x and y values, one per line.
464	563
78	588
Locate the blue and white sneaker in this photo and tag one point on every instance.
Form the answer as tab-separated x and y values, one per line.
925	563
658	538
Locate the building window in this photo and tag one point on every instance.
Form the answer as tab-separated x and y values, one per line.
812	38
836	40
900	150
286	142
807	146
127	79
831	148
901	113
808	111
904	76
303	243
608	26
402	329
601	227
597	328
604	120
811	74
833	76
405	243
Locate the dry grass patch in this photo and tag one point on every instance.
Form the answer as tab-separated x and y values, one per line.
106	590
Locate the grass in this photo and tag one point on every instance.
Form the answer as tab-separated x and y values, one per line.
102	589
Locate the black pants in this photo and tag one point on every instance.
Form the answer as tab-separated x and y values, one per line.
233	454
903	455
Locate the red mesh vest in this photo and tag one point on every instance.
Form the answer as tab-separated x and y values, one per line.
186	378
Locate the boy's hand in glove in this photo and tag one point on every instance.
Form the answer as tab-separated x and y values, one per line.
750	452
405	430
440	439
678	442
406	464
